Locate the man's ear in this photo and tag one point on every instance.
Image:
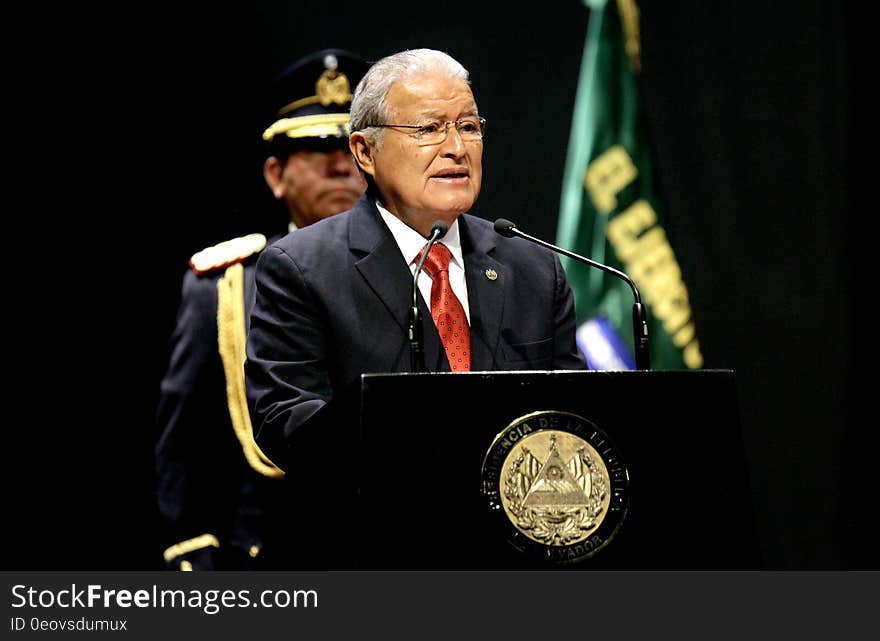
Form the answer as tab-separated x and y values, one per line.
272	170
362	152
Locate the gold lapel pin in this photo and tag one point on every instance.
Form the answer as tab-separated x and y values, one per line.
491	274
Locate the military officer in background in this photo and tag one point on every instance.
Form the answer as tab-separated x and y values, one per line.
215	488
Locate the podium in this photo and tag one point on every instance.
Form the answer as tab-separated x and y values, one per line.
420	445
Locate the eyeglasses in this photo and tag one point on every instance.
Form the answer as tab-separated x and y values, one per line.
434	132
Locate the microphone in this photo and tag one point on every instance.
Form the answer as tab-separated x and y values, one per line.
416	347
639	314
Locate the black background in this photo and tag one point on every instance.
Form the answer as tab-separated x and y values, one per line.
140	129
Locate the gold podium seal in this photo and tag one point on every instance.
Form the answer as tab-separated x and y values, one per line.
559	485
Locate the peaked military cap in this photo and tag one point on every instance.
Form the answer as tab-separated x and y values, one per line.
311	98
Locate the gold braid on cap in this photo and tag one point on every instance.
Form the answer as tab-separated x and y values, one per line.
317	125
332	87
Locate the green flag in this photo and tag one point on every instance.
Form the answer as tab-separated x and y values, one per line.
610	210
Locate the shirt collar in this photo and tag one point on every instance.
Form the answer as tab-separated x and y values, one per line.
412	242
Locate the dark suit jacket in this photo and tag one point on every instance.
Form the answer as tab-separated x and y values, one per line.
333	302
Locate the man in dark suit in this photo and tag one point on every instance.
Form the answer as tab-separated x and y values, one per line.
216	489
333	300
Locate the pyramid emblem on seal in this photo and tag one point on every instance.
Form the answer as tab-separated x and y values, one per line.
555	485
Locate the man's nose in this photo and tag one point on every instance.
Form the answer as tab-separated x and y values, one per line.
453	144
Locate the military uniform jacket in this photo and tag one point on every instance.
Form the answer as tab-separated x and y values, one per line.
212	499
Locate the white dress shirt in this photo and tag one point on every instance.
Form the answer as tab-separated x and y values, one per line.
412	242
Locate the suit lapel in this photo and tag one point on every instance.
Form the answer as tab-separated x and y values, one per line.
383	268
486	279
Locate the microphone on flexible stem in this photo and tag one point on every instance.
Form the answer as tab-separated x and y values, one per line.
639	314
416	347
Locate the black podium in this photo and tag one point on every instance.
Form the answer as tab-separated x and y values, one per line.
401	477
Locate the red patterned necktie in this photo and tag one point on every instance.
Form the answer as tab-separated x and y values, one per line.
447	311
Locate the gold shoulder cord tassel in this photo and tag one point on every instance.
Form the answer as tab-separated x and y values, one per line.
231	340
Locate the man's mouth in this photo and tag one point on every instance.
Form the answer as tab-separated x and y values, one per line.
452	175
